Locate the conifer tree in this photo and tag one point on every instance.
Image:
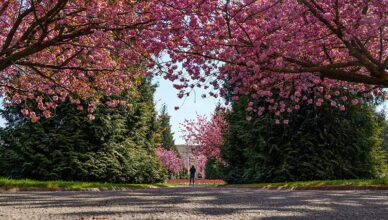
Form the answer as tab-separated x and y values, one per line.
165	135
117	146
311	144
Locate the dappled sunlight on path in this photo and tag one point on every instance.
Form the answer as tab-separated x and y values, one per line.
195	203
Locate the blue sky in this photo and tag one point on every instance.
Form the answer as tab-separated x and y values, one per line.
193	105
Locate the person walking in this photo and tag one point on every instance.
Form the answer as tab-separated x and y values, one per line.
192	174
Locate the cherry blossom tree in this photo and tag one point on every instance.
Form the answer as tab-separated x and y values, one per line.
205	135
294	50
54	50
170	160
200	162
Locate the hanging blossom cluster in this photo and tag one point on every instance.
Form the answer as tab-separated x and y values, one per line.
170	160
206	135
284	52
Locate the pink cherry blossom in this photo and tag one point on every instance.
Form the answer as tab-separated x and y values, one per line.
82	50
291	47
355	101
206	135
170	160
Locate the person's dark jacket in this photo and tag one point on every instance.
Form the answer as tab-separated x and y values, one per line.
192	171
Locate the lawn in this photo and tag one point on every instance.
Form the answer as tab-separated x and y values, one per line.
382	182
6	183
27	183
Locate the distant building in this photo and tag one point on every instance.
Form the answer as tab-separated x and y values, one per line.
184	150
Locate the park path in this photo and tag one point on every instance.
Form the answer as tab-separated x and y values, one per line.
195	203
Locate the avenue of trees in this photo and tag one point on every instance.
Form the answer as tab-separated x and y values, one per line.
301	80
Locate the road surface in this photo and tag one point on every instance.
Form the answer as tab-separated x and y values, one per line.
195	203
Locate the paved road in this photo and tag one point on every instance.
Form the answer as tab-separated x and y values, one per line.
195	203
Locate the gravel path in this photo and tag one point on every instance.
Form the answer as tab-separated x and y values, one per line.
195	203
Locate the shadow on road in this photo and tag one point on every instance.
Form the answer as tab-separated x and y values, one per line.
213	202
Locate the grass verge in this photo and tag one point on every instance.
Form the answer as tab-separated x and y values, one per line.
356	183
26	184
7	183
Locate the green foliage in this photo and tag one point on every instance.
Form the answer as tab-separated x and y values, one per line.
164	135
117	146
384	138
213	169
183	174
319	143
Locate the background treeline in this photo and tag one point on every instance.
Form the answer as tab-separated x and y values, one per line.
118	146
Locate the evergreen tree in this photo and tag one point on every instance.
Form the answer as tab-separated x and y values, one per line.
117	146
165	135
213	169
384	138
318	143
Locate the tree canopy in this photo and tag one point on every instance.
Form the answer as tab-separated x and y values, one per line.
50	50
